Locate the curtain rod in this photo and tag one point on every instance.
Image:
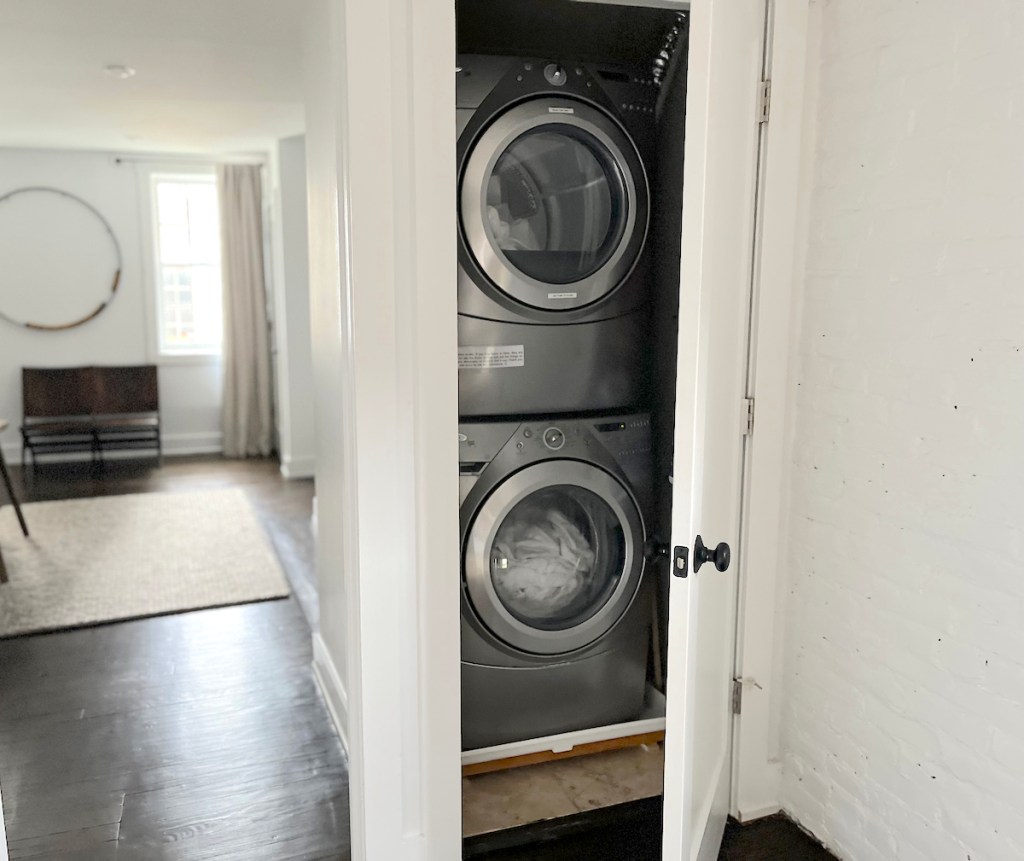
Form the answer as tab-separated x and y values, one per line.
182	158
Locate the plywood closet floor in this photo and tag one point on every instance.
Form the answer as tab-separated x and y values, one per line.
550	790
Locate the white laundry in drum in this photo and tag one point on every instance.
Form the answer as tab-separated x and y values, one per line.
542	565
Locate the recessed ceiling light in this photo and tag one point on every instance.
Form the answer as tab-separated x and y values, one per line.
116	70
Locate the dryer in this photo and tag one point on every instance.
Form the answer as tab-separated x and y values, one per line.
553	205
555	604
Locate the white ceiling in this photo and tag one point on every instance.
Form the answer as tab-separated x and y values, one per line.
213	76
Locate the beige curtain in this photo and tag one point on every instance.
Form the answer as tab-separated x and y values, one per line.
246	414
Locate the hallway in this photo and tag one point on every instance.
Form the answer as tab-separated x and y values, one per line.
202	735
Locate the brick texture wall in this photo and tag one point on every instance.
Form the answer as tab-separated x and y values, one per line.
903	724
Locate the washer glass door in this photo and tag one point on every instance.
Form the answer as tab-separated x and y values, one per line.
553	557
553	203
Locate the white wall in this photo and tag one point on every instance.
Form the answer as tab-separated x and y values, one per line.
290	284
903	729
335	544
190	393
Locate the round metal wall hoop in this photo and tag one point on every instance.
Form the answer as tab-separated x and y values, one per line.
60	327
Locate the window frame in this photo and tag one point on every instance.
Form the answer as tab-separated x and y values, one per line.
149	177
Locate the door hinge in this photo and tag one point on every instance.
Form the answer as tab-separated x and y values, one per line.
764	100
737	696
748	416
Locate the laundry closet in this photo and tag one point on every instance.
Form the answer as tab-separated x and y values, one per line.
570	120
528	262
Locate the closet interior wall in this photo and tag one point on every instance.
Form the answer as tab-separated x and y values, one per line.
666	237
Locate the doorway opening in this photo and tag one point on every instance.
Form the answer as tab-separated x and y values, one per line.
571	121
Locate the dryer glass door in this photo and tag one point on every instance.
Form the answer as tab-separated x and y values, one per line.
553	204
553	558
556	206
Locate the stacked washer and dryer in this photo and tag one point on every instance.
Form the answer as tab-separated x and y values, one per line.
555	452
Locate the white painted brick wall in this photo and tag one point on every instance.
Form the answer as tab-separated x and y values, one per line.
903	725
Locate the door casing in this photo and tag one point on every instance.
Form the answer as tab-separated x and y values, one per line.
402	712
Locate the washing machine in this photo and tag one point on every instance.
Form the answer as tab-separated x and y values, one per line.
554	206
555	607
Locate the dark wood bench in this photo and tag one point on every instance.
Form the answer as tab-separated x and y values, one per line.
93	409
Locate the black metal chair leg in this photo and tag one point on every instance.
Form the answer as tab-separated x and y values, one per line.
10	492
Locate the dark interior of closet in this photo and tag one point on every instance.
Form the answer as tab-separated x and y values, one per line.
648	39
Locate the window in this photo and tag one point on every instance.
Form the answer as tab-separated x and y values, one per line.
188	284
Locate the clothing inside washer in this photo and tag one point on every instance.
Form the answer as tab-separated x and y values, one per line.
557	557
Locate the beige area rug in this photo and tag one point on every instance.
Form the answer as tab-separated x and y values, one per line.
123	557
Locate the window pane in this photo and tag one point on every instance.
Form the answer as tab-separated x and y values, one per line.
206	305
176	304
172	203
174	244
204	227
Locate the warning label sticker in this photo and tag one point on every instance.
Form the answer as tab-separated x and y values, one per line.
484	358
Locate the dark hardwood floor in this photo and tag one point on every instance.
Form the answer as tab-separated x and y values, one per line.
632	832
202	736
774	838
194	736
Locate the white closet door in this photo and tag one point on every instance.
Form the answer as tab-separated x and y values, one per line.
726	53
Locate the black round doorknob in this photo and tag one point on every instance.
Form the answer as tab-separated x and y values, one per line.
721	555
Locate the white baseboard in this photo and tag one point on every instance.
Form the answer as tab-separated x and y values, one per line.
206	442
298	467
750	814
329	682
174	445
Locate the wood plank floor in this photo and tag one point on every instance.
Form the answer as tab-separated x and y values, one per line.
633	831
202	736
195	736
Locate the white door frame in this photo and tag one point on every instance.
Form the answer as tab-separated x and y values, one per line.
384	86
756	765
397	329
